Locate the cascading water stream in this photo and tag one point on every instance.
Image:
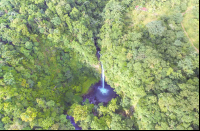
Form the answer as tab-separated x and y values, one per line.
102	89
102	75
101	92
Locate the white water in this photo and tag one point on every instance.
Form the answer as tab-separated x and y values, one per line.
103	90
102	75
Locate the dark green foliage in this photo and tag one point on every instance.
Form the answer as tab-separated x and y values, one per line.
143	63
155	28
48	61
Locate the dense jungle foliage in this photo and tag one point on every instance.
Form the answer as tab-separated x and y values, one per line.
48	61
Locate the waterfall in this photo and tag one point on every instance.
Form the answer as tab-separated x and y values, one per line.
102	75
102	89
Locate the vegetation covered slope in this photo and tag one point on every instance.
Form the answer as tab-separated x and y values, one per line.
48	55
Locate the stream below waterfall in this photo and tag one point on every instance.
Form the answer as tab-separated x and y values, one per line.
100	92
